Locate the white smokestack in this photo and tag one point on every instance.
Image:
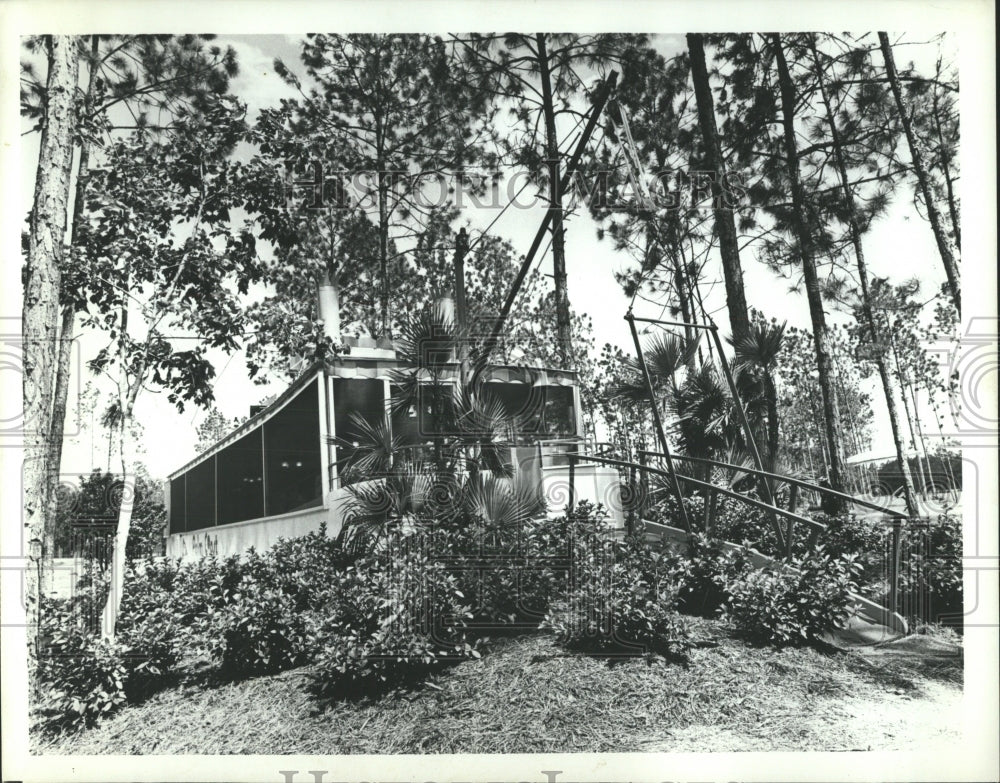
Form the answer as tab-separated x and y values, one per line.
445	306
329	307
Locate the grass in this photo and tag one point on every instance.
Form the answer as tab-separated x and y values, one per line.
529	696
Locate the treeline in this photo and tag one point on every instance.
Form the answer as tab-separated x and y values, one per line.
159	213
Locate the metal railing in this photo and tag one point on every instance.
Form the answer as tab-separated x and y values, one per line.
792	519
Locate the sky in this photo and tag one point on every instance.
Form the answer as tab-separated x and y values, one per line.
900	246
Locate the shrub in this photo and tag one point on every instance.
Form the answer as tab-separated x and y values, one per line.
931	575
619	597
511	575
150	629
254	618
302	568
387	619
787	606
203	586
259	631
703	573
81	677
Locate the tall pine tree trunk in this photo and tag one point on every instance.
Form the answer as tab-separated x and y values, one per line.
866	301
949	184
824	364
725	223
919	166
383	251
563	327
40	317
61	391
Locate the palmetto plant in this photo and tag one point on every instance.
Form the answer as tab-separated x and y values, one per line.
757	355
456	472
699	408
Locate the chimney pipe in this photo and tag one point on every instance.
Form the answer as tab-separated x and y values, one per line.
461	311
329	307
461	248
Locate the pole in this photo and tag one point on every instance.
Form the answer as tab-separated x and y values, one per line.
461	316
762	484
600	98
661	436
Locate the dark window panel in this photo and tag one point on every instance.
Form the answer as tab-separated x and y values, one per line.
241	480
178	515
559	416
201	495
362	396
294	473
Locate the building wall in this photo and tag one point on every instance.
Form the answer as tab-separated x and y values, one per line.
261	534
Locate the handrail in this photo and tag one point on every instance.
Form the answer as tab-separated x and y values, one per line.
817	526
782	477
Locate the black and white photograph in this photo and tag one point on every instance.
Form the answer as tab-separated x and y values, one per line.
409	403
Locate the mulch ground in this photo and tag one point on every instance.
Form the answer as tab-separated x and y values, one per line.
526	695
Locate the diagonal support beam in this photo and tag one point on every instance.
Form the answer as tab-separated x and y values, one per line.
660	434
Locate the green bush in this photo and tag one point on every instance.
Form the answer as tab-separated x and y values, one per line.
253	615
703	571
510	575
81	677
387	619
152	634
259	631
302	568
619	598
787	607
931	575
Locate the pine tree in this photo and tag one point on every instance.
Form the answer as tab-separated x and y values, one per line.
867	313
41	316
824	365
917	158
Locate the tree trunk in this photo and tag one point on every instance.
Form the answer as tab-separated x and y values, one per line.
383	252
928	469
866	302
725	223
949	184
909	416
57	428
684	295
563	326
917	158
831	411
61	390
112	605
773	429
41	309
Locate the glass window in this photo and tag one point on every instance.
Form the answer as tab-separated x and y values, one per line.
241	479
178	516
558	416
294	473
362	396
201	495
523	404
